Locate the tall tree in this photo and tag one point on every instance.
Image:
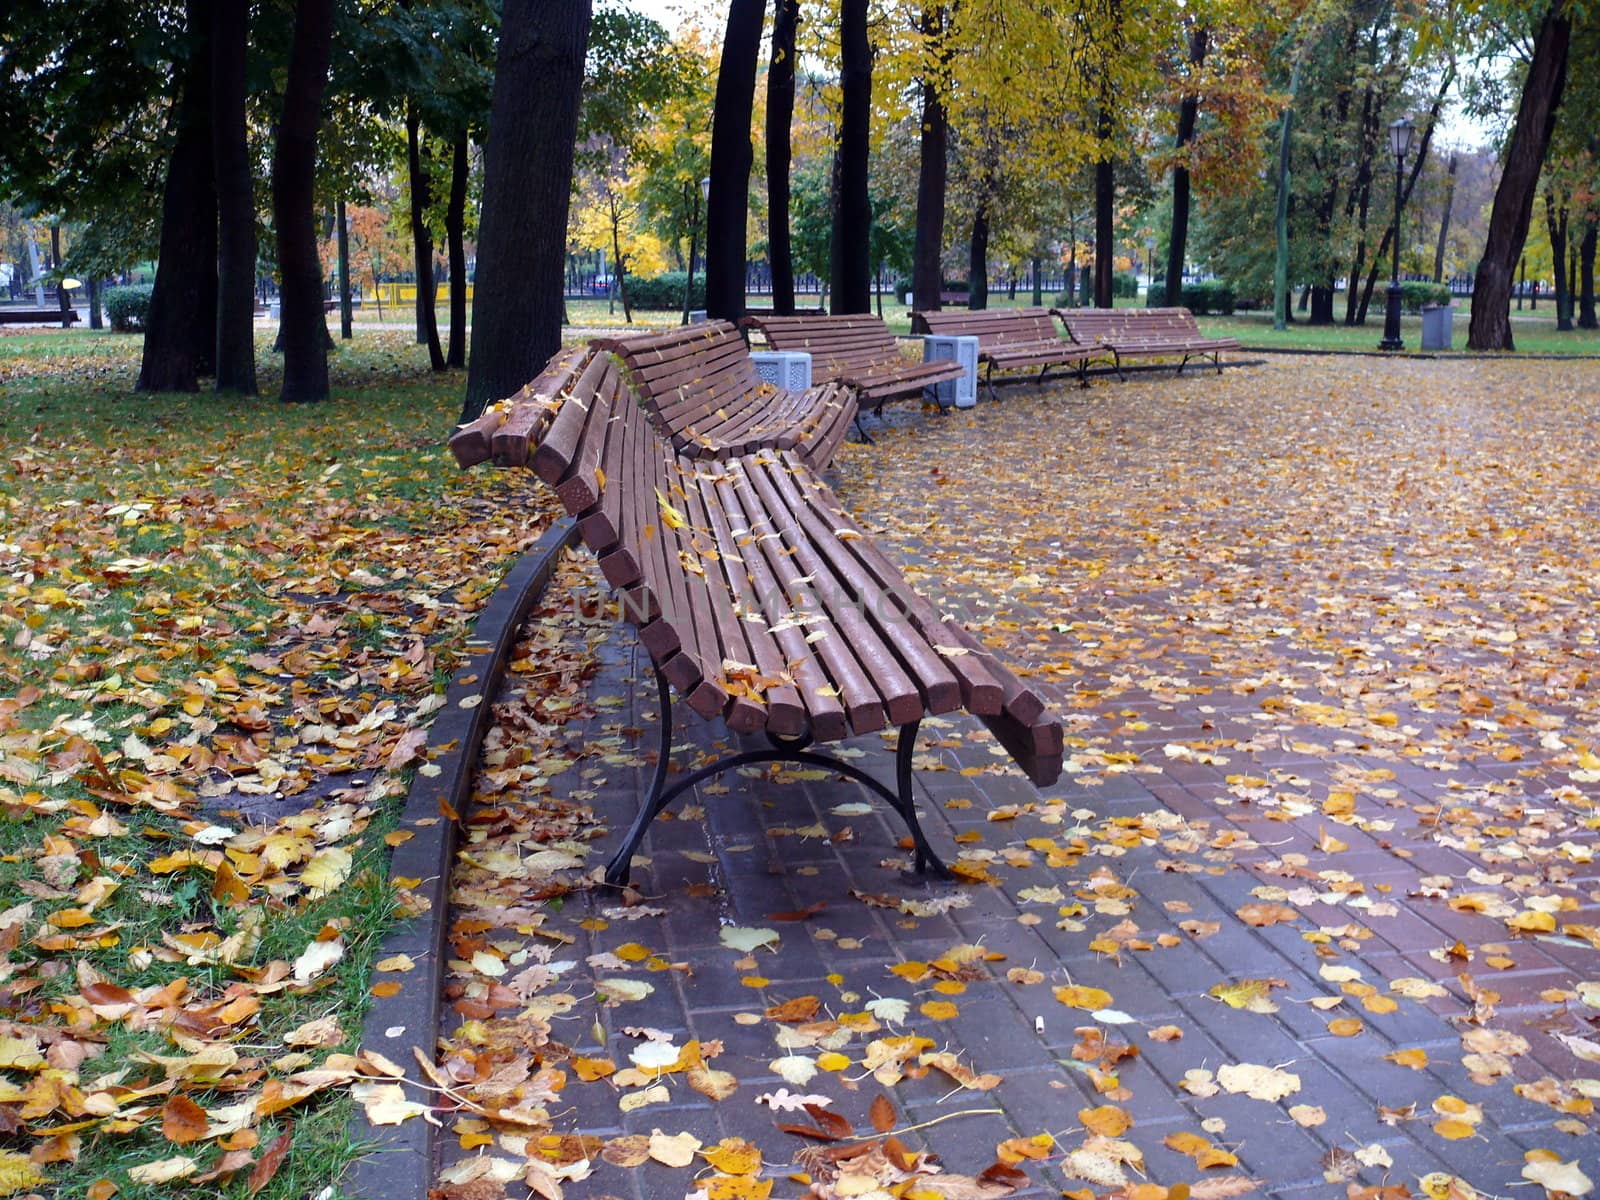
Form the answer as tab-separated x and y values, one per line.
852	228
1444	220
303	332
780	118
236	201
181	328
455	226
728	200
927	272
1188	113
1490	328
421	196
527	188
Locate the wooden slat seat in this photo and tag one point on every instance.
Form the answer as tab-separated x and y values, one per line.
1144	333
1009	339
857	350
758	597
704	394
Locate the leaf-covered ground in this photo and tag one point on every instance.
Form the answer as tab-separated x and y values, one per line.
223	627
1314	911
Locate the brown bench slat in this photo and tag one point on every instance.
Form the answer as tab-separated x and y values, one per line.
528	409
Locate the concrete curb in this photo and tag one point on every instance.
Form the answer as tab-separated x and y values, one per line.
1442	356
401	1162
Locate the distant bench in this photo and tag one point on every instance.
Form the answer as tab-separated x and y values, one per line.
758	597
1144	333
1010	338
36	316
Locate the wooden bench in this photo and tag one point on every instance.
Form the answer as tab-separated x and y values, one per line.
857	350
1144	333
759	599
36	316
1009	338
704	393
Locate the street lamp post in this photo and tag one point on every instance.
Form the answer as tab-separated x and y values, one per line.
1400	143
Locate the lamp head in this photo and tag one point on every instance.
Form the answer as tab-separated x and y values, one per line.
1400	133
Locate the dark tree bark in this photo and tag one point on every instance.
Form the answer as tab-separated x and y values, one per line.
180	331
1513	199
978	260
62	301
236	201
346	303
422	239
1038	282
522	237
1586	251
1555	217
303	332
455	234
780	118
95	319
927	272
1105	211
1444	220
1188	112
728	201
852	232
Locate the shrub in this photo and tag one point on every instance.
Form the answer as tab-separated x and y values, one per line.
128	308
1124	285
664	293
1062	300
1210	296
1414	293
901	287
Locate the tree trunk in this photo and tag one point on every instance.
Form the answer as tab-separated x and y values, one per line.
620	269
180	330
1178	245
1281	316
780	117
1513	199
927	271
422	240
95	319
852	233
1444	220
346	304
978	261
1586	251
303	331
63	302
1555	217
236	201
1105	204
455	233
522	237
1321	304
728	201
1038	283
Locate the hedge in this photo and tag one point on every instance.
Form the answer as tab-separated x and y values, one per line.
1210	296
1414	293
664	293
128	308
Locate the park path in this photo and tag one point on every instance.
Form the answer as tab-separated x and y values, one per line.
1313	909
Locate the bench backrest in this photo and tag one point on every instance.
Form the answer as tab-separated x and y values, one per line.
993	327
688	376
839	346
1128	324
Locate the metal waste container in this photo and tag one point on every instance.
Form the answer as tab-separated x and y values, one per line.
1436	326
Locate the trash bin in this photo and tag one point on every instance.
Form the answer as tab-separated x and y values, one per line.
1436	331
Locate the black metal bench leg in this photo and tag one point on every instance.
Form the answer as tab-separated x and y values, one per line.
925	859
988	382
862	429
655	800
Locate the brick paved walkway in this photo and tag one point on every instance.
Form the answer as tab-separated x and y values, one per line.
1300	813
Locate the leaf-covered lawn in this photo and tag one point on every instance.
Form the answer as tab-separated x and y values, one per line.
223	627
1317	900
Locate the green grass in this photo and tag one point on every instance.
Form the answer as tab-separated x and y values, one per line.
194	587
